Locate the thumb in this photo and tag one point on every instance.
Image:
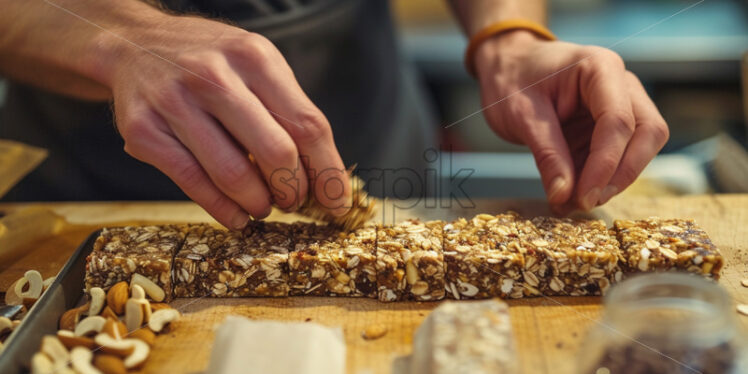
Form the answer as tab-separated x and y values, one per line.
542	133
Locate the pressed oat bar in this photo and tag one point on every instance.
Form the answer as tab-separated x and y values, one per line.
484	257
220	263
410	264
120	252
467	337
572	257
331	262
657	244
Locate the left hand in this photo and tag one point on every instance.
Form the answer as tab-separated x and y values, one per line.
587	120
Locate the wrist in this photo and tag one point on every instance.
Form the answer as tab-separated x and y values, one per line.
507	45
117	43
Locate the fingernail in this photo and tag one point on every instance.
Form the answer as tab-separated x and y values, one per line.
591	198
557	185
240	221
608	193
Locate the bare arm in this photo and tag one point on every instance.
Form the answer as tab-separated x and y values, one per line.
193	97
587	120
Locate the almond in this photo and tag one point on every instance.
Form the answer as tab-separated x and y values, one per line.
28	302
109	364
159	306
145	335
70	319
117	297
108	313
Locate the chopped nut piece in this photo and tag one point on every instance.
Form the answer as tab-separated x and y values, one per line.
743	309
744	282
373	332
657	244
410	262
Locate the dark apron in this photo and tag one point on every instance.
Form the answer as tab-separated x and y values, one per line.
343	53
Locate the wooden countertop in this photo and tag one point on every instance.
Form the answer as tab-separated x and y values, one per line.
547	330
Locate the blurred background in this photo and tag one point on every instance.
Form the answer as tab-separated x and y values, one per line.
693	65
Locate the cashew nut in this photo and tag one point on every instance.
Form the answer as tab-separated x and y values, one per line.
81	359
119	347
35	281
161	318
47	282
138	355
137	309
156	293
11	298
41	364
98	298
90	325
56	351
134	313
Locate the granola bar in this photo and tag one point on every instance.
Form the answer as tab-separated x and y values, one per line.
484	257
656	244
572	257
219	263
120	252
471	337
410	264
330	262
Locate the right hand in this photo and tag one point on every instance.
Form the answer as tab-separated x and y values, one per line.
195	97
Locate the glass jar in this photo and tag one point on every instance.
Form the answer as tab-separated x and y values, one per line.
671	323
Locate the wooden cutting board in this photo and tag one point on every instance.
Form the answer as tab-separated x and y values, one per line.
547	330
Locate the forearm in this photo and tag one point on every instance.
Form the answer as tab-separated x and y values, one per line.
475	15
62	45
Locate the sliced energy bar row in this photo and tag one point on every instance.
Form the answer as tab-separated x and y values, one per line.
487	256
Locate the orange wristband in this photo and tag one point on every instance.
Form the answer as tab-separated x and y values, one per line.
498	28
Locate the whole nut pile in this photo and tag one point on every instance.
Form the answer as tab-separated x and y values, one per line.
111	333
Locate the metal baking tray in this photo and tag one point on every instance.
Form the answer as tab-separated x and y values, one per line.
64	293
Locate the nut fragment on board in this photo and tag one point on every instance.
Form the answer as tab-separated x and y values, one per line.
744	282
743	309
373	332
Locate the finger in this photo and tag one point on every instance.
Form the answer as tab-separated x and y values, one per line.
226	97
226	164
602	81
542	133
148	140
277	88
650	136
